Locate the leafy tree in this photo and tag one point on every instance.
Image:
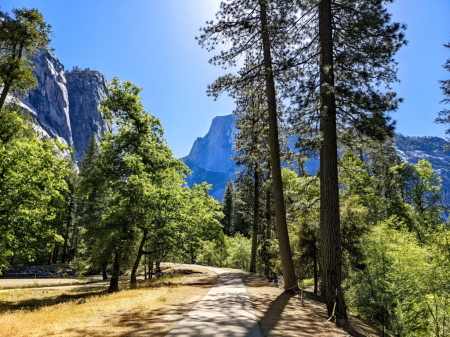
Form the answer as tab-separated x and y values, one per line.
32	186
420	187
140	170
19	40
408	278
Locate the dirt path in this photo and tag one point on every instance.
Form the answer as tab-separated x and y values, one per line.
225	311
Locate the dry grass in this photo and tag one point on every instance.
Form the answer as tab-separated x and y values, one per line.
29	283
152	310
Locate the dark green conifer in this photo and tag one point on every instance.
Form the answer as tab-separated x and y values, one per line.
229	208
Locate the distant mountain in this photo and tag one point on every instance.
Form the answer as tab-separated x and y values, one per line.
413	149
65	103
210	156
210	161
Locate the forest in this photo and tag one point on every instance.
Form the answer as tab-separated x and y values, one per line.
367	231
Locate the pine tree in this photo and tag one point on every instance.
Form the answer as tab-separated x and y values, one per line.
444	115
254	30
353	42
229	208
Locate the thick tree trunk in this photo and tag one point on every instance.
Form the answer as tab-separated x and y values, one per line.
114	284
287	264
137	261
158	266
104	274
268	234
329	185
255	220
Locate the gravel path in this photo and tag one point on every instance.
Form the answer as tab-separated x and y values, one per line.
225	311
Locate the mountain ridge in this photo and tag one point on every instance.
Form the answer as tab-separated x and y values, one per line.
217	145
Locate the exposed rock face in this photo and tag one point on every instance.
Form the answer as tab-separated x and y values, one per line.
65	103
210	156
213	151
86	91
50	100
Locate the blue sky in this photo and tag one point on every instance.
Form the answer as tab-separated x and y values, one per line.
151	42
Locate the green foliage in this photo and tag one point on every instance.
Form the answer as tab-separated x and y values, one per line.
420	187
231	252
229	210
32	186
412	281
19	40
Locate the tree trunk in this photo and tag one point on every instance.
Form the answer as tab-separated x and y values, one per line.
137	261
268	235
6	88
329	185
192	255
145	267
287	264
315	271
66	236
114	284
255	220
55	253
150	267
104	274
158	266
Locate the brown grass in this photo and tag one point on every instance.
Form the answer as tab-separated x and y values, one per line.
31	283
152	310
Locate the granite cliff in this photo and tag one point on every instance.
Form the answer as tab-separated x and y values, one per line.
210	161
210	156
65	103
86	90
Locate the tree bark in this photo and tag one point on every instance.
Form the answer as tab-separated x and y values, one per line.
150	267
114	284
104	274
329	185
138	260
55	253
315	271
66	235
6	88
268	234
287	263
145	267
255	220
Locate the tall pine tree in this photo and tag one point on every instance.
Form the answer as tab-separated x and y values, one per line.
344	54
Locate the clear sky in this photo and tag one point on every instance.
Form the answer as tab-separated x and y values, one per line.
151	42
